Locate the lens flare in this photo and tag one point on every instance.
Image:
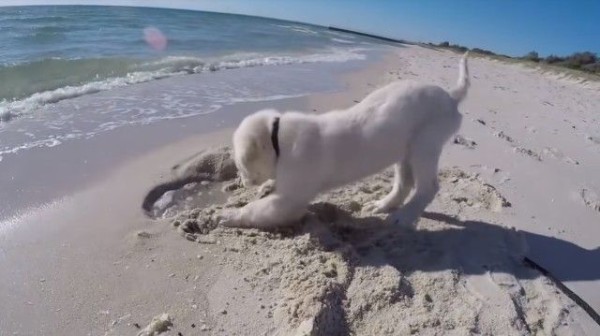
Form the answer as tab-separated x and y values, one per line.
155	38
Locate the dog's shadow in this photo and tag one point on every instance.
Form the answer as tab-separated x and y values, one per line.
470	247
440	243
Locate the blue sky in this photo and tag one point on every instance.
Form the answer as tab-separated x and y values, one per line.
513	27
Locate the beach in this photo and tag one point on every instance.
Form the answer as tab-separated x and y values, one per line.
518	183
81	76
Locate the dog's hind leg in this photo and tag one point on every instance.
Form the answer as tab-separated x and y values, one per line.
424	161
402	185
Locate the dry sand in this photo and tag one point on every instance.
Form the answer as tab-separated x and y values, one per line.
518	182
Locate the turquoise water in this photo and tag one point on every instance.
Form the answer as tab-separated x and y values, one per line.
88	49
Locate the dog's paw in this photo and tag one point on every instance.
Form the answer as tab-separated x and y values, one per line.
376	207
229	218
266	189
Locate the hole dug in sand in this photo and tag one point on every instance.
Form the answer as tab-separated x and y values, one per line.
192	183
343	271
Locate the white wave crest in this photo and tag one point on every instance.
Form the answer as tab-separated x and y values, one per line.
167	67
11	109
299	29
339	40
247	60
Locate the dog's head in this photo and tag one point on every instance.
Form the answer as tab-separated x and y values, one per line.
253	150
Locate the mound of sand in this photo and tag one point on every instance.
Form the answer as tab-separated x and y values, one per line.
344	271
158	325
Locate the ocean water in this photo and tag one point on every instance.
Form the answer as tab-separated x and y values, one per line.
71	72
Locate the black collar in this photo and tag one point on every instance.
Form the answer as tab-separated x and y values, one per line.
275	136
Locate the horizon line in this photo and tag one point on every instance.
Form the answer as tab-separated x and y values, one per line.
328	26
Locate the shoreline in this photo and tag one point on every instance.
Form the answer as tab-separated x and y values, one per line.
96	264
40	174
73	240
75	165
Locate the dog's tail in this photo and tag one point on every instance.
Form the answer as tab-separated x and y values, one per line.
460	91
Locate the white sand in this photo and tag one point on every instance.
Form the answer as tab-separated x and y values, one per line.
344	271
522	181
159	324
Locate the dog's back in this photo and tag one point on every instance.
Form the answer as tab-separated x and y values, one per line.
379	131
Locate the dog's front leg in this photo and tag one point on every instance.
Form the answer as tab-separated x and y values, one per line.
268	212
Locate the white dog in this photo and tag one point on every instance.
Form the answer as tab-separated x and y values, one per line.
404	123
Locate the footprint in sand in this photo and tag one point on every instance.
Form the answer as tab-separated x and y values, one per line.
528	152
470	191
531	129
555	153
594	139
504	295
504	136
590	198
464	141
548	152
